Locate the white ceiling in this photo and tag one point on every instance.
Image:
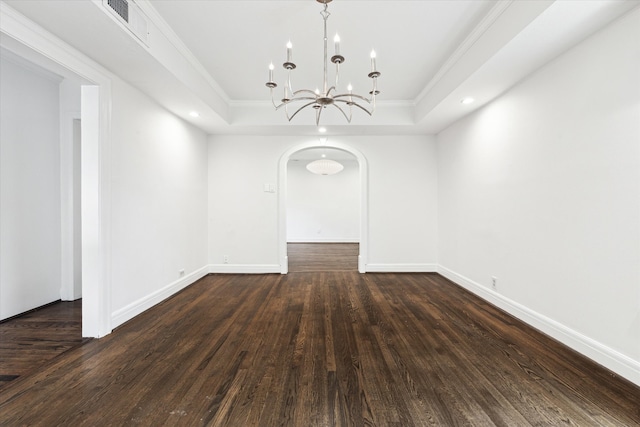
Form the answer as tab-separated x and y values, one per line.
212	56
236	40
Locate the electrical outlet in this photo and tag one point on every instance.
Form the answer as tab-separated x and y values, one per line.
494	283
225	259
181	272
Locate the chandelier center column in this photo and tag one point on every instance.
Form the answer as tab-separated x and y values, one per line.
325	15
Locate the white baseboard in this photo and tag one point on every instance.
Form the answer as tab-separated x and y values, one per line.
401	268
346	240
245	268
600	353
130	311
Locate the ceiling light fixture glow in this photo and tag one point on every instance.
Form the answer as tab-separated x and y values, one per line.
322	130
324	167
319	100
467	100
194	114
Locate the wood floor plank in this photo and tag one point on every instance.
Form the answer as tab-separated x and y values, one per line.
321	348
28	341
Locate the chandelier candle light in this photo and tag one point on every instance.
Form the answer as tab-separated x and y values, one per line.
320	100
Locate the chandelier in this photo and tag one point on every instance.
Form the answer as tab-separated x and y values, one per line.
320	100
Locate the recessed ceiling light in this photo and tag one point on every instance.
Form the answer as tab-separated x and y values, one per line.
323	156
322	130
194	114
467	100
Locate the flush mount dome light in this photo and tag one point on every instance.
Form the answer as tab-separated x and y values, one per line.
324	167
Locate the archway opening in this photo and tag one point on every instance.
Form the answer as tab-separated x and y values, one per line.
347	224
323	210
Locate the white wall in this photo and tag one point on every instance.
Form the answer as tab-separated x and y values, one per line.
29	188
159	202
403	191
243	219
323	208
541	189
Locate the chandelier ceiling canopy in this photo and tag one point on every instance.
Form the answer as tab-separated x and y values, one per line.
319	99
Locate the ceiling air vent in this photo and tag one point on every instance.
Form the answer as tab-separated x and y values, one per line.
134	19
121	7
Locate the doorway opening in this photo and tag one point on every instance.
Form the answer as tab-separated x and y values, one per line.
318	211
90	105
41	283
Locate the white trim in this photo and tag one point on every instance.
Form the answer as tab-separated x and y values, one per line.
600	353
137	307
244	268
282	201
96	294
402	268
327	240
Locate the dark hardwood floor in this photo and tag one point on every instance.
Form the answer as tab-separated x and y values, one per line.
321	348
28	341
308	257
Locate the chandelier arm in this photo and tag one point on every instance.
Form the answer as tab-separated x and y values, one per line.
299	109
318	113
330	89
357	105
301	98
351	95
343	113
305	91
294	100
273	101
286	110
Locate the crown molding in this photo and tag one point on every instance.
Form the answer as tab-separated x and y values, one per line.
166	30
489	19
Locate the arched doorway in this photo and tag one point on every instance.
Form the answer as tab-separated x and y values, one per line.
282	200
